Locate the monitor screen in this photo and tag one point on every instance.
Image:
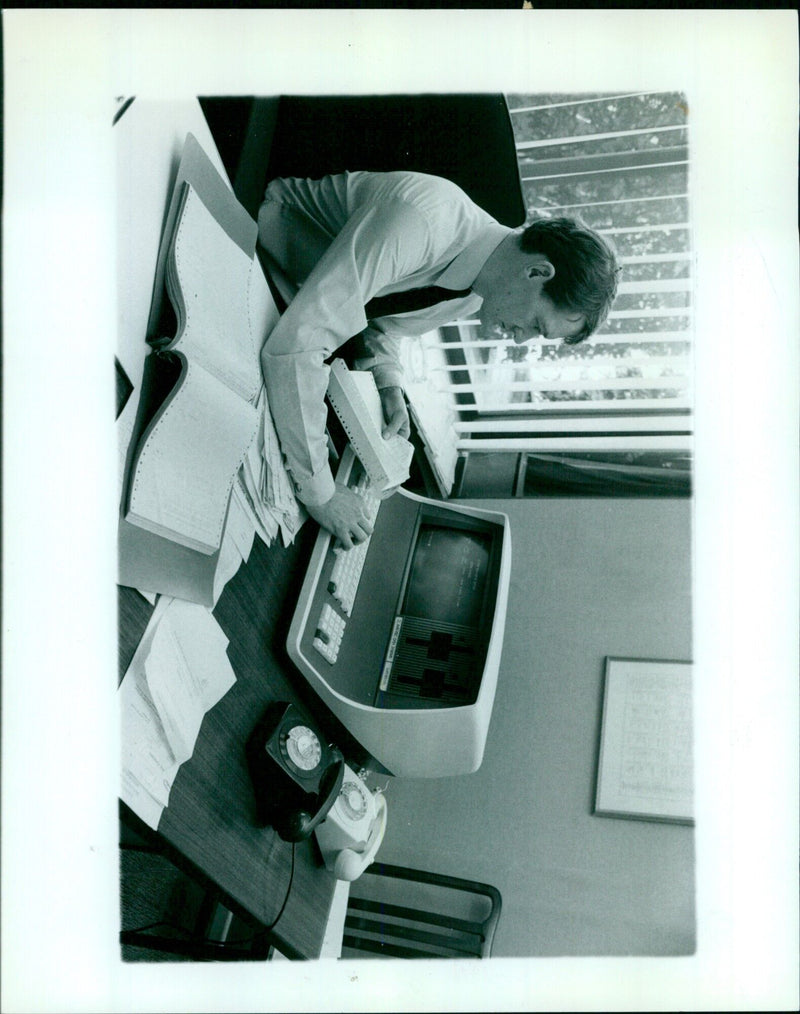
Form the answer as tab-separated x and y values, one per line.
447	580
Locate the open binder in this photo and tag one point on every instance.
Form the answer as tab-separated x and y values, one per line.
197	414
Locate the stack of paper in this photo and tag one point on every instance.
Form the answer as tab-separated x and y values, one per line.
265	489
179	672
237	541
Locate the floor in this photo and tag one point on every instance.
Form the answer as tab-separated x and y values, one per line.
152	890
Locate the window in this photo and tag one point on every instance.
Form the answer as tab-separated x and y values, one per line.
620	163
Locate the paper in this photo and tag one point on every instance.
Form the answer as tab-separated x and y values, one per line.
434	415
209	281
187	672
645	766
146	754
148	765
356	401
266	491
186	463
179	672
237	542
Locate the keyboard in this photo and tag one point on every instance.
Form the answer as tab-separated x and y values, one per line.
344	580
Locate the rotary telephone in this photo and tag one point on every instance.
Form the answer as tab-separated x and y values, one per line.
296	776
353	830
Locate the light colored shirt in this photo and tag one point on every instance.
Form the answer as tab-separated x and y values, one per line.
340	241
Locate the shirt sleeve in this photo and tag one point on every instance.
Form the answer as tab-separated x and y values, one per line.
378	352
378	245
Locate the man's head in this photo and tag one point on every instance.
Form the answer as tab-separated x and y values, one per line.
555	277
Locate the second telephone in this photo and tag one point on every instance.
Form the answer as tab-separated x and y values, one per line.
296	775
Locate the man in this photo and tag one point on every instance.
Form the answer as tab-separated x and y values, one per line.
344	239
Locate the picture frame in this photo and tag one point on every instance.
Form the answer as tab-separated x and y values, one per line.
645	761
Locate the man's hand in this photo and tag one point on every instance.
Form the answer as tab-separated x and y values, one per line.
395	413
343	516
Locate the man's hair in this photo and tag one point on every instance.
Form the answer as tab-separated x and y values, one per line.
586	270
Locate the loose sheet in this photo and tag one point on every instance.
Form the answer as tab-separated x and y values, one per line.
179	672
265	487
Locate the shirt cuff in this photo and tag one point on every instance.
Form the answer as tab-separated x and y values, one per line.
387	376
316	489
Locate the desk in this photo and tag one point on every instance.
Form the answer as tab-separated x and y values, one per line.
209	826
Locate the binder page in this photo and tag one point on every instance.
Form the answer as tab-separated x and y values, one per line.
188	461
209	278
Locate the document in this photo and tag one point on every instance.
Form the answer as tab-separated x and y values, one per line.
237	541
179	672
148	765
187	672
266	485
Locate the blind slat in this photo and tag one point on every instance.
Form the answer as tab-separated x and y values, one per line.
620	424
619	200
599	172
673	382
547	142
657	258
656	285
615	362
618	338
660	311
597	405
580	102
585	443
621	230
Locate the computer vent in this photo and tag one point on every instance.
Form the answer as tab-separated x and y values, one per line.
436	662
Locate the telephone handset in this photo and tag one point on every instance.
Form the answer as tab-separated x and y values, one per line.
352	832
296	776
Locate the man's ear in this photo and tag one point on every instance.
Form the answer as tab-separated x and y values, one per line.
540	267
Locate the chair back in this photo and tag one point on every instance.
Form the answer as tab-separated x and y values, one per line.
467	138
397	912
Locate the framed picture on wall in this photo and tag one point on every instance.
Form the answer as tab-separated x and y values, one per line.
645	768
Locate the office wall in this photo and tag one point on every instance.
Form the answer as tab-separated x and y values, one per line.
590	578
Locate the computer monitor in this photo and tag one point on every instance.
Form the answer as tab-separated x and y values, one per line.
411	672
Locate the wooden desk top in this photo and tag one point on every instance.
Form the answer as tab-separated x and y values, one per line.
209	826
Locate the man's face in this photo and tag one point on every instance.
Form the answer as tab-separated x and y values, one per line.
518	309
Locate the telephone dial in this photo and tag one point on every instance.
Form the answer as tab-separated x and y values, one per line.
296	775
353	830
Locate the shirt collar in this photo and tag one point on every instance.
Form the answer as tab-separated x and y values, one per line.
462	271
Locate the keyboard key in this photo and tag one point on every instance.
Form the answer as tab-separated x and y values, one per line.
345	577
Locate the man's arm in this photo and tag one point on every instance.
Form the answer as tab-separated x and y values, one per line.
376	246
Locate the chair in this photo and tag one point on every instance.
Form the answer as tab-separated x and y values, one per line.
467	138
396	912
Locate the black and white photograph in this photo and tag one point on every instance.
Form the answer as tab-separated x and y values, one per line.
420	516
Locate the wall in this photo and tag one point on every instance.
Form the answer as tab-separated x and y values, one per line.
590	578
